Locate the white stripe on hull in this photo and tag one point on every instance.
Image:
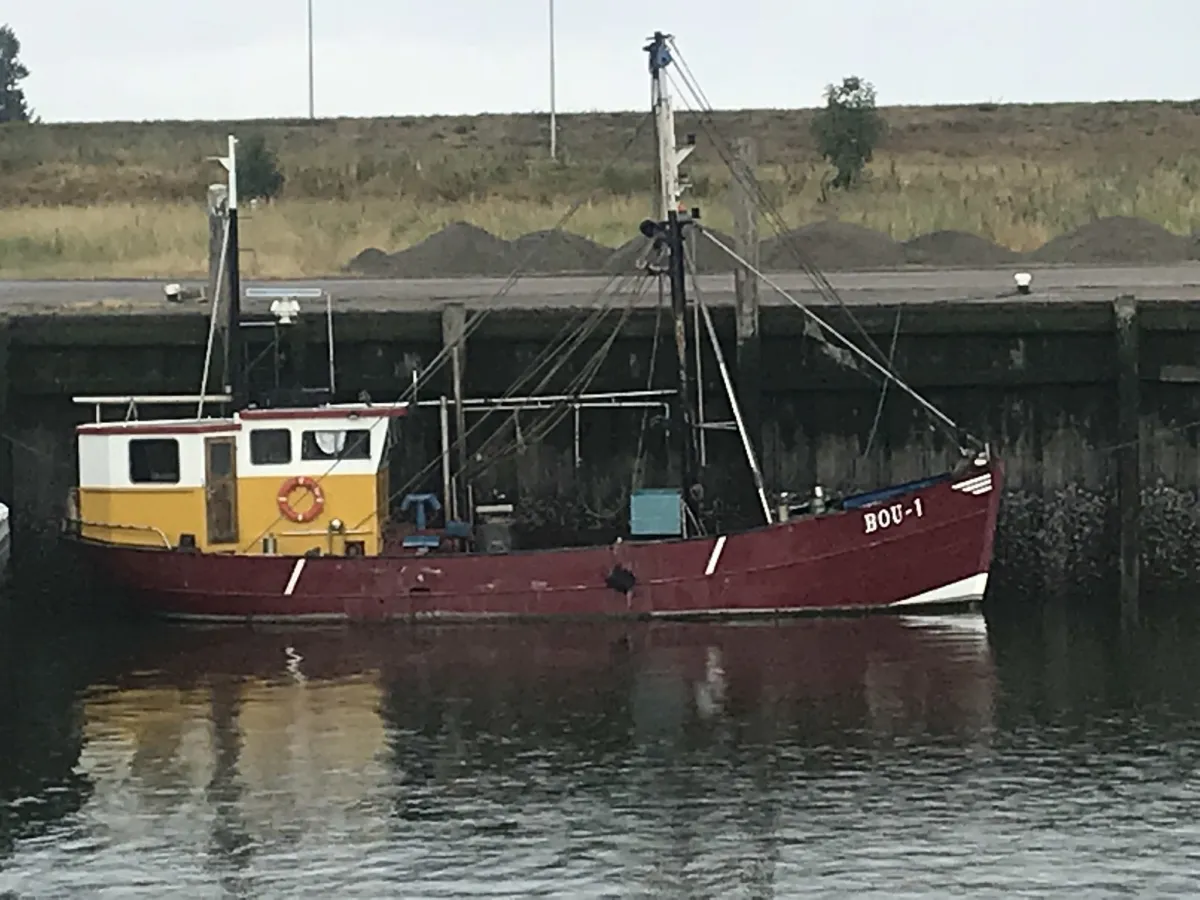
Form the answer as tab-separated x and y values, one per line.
281	619
967	590
715	556
296	570
977	486
963	591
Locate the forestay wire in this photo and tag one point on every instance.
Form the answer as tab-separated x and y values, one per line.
878	363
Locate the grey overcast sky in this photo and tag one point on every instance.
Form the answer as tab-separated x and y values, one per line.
174	59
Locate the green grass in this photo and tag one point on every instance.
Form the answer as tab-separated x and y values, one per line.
127	199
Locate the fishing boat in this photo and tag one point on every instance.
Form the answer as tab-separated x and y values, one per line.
262	508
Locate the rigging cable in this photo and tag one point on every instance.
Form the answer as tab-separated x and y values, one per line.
590	323
639	469
823	285
751	184
212	322
747	179
957	431
576	386
422	378
747	445
490	305
883	393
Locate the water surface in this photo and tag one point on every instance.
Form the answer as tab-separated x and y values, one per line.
877	756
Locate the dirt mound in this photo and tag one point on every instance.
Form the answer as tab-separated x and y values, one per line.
555	251
709	257
462	249
955	248
831	246
458	249
372	262
1117	239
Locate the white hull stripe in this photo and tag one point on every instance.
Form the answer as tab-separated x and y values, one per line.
296	570
965	589
715	556
981	484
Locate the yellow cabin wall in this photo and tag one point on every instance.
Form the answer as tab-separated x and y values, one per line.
350	498
355	499
172	510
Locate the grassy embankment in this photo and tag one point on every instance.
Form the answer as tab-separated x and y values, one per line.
127	199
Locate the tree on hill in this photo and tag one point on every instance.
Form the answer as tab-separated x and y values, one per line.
13	107
258	172
848	129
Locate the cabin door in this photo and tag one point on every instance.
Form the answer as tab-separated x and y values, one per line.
220	490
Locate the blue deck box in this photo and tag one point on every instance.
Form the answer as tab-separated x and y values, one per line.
656	512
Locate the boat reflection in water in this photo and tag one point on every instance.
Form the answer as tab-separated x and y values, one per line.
244	743
322	703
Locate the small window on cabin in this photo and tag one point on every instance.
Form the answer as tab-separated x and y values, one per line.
270	446
154	461
351	444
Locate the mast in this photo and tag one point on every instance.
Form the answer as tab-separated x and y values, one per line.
235	374
671	231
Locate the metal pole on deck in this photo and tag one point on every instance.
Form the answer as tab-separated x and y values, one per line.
448	491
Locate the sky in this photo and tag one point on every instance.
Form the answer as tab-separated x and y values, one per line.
176	59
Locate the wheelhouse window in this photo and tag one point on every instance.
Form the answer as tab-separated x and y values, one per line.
154	461
270	446
349	444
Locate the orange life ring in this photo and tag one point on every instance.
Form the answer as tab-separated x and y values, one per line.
285	502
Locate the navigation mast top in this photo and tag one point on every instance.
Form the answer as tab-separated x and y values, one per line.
669	155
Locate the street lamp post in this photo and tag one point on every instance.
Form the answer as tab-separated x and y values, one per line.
553	110
311	103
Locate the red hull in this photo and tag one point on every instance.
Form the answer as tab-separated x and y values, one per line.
929	545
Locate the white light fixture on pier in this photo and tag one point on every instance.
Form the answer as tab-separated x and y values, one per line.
1023	280
285	311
